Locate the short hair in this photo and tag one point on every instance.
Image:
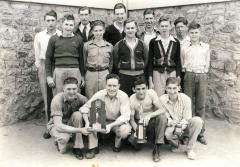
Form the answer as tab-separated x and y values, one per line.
84	8
51	13
172	80
112	76
164	18
194	25
119	6
129	20
181	20
68	17
139	81
70	80
149	11
97	23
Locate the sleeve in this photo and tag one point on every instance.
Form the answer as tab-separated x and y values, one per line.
37	50
85	55
86	107
207	59
178	60
124	109
111	60
49	56
115	58
187	112
81	58
150	58
56	106
155	98
145	47
105	35
132	107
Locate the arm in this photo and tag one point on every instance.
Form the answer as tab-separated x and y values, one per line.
81	58
178	60
187	112
115	58
85	55
49	56
111	60
207	59
37	51
145	49
132	120
150	63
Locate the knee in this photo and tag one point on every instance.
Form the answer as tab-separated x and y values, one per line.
124	131
196	121
63	139
168	134
162	118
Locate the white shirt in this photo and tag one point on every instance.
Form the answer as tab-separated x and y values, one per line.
196	58
148	36
184	41
81	27
40	45
165	42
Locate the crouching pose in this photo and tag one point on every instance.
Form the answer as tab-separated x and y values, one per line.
66	120
180	120
117	108
145	107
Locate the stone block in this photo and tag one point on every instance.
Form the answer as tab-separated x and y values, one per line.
217	65
230	66
228	28
235	38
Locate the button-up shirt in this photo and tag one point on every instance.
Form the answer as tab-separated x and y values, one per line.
117	108
180	111
98	55
196	58
40	45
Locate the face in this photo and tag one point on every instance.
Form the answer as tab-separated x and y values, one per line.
140	91
70	90
181	29
194	35
68	26
84	17
164	28
112	86
120	15
149	20
98	31
51	22
172	90
130	29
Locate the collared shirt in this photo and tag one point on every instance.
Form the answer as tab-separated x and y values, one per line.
117	108
120	29
63	107
149	104
81	27
184	41
40	45
180	111
148	36
166	41
196	58
98	55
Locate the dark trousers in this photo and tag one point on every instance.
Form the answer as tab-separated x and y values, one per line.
195	86
127	82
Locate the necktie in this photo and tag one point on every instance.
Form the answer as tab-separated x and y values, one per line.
85	33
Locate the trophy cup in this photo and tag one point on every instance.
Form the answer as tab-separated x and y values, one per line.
141	129
97	117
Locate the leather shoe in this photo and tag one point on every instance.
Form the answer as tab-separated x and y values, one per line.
78	153
90	154
116	149
202	140
134	143
156	154
46	135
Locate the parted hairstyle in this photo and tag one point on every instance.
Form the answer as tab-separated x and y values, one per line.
172	80
111	76
181	20
68	17
129	20
84	8
97	23
164	18
70	80
119	6
194	25
51	13
139	81
149	11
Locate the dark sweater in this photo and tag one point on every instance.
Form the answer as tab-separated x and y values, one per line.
64	52
160	60
112	35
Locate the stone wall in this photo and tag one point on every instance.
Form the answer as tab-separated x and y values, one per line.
20	96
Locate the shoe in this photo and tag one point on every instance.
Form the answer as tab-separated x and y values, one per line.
90	154
156	154
46	135
116	149
134	143
184	140
78	153
191	154
202	140
175	149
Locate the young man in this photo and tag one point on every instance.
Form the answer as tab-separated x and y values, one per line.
164	57
181	29
40	46
64	56
145	107
114	32
179	114
195	64
149	26
117	109
84	26
66	119
130	57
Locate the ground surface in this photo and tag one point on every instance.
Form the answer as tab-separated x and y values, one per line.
22	145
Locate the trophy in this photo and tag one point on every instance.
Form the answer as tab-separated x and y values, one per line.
97	118
141	129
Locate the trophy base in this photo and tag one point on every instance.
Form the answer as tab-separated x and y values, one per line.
141	141
96	130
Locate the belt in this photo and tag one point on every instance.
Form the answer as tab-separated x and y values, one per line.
92	69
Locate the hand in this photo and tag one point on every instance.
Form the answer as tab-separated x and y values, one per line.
108	129
172	123
82	84
84	131
86	125
50	82
178	131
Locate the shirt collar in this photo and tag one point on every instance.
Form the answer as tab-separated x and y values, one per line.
72	35
106	95
154	31
81	26
159	38
200	43
169	101
105	43
65	98
58	32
